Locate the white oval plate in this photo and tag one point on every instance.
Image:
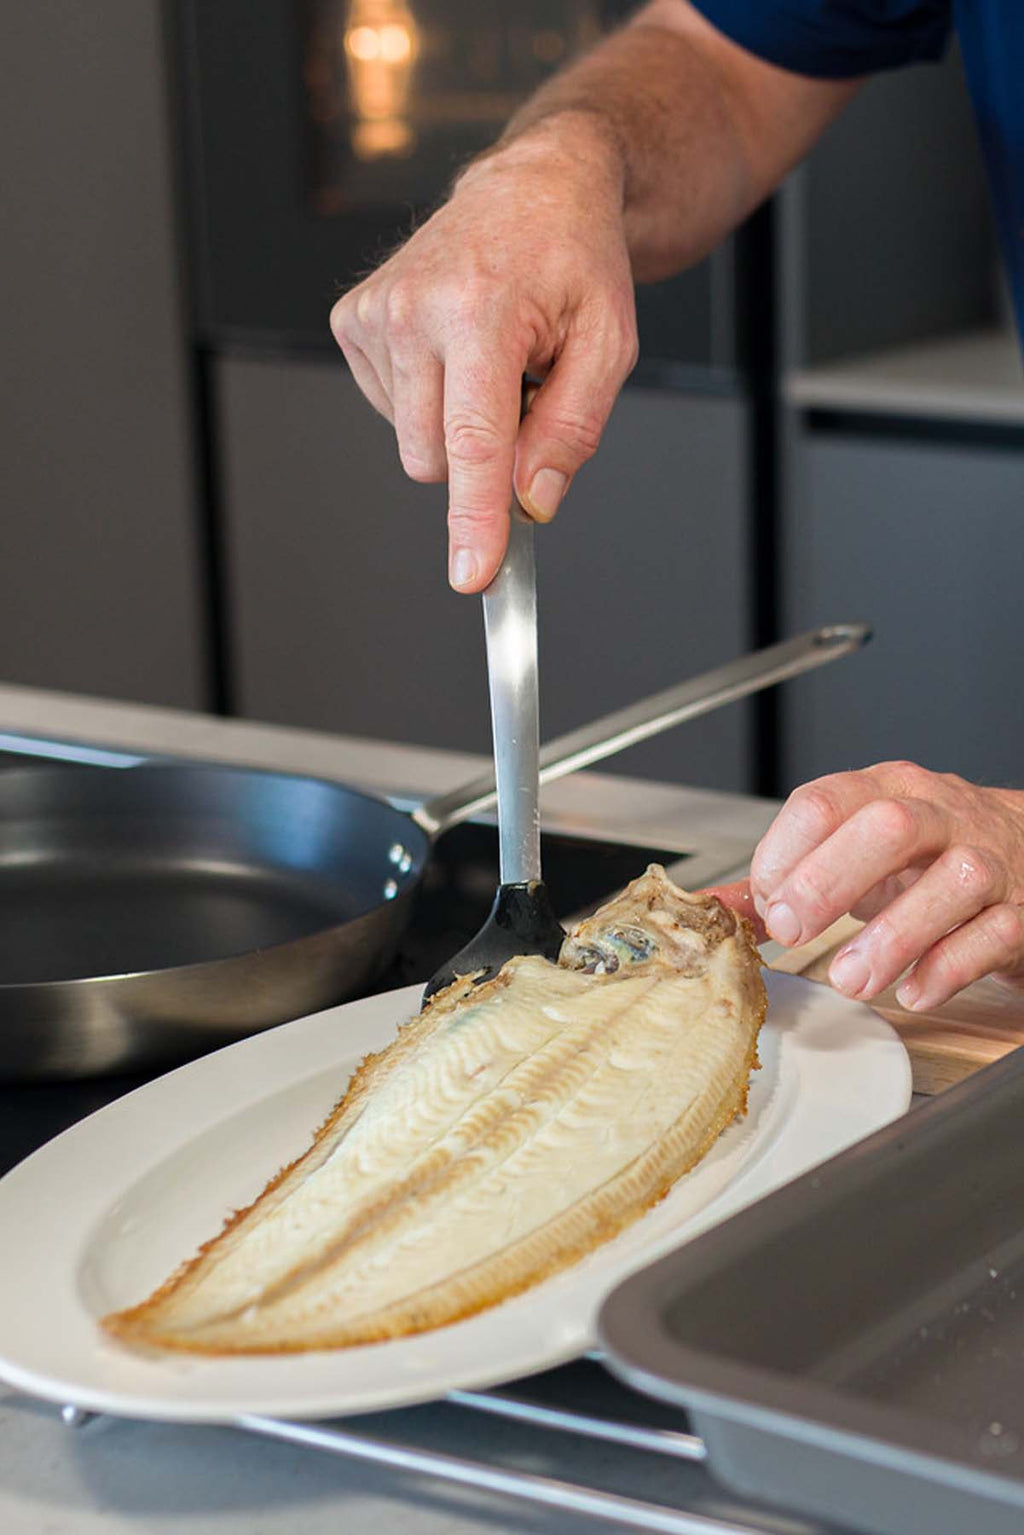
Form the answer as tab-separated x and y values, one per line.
97	1218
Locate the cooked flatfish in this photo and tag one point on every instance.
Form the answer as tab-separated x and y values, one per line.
507	1131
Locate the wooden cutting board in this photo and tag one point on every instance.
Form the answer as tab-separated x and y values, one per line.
977	1027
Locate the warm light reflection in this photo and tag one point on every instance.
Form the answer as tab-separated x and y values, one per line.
363	43
381	41
392	44
388	136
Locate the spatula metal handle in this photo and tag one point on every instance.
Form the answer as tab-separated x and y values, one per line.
510	623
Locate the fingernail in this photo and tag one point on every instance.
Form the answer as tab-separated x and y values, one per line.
908	994
544	496
849	972
782	923
463	568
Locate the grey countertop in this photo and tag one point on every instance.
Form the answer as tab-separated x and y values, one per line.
113	1475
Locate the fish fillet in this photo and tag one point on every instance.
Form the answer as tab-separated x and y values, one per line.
507	1131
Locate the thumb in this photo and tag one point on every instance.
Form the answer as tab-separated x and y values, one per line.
739	899
564	425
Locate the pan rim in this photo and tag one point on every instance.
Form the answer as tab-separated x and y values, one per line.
52	774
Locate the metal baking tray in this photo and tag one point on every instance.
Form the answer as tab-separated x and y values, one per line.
853	1345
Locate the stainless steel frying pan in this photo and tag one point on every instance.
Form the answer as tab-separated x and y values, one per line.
150	914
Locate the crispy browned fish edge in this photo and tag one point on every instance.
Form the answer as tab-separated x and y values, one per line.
134	1325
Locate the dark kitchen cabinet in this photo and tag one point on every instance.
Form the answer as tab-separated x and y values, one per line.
341	617
887	234
925	541
280	160
99	549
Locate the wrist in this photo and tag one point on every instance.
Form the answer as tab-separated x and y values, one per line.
577	143
1013	801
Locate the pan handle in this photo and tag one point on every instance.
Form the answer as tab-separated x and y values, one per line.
625	727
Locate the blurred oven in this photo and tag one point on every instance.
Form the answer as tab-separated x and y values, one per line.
316	133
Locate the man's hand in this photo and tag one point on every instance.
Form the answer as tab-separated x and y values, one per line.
524	270
633	162
933	864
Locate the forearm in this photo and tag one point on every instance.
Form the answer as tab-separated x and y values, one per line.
695	130
646	102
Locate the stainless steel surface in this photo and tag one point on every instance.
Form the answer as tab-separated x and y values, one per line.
661	1441
510	624
687	1503
625	727
606	1507
664	1487
38	748
76	1417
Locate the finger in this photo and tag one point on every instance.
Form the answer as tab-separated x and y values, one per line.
368	379
961	883
992	941
738	898
418	402
808	818
569	414
816	810
350	333
879	896
878	841
481	419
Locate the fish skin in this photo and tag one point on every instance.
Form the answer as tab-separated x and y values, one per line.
509	1129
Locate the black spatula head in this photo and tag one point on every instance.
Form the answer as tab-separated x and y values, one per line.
522	921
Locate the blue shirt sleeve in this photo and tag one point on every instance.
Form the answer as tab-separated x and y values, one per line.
834	39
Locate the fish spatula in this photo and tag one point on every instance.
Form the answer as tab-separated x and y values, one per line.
522	919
